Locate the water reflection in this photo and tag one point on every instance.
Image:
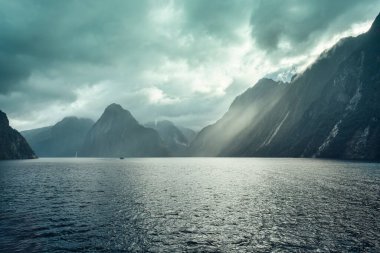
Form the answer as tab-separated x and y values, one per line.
194	204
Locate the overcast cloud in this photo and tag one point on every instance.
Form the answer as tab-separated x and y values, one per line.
179	60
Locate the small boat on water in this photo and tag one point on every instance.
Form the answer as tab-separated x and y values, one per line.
121	158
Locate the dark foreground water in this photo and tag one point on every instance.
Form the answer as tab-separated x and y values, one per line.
227	205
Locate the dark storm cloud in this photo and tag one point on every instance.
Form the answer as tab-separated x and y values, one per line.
36	34
299	22
159	58
217	18
13	69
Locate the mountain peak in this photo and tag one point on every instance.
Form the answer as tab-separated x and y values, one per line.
118	110
12	144
114	107
69	119
376	24
72	122
267	81
117	114
74	119
118	134
3	119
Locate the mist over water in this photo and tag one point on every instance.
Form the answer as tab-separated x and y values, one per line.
189	204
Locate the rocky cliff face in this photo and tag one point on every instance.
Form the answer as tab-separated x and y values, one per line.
12	144
331	110
64	139
118	134
245	111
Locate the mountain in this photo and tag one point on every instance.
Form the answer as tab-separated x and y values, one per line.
188	133
64	139
118	134
12	144
173	137
246	109
331	110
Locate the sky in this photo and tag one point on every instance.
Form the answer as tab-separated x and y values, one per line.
183	61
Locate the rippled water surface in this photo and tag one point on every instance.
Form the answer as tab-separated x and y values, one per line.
189	204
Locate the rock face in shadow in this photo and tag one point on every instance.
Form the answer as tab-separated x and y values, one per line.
331	110
118	134
12	143
173	137
64	139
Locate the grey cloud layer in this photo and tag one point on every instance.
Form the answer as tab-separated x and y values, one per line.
300	23
160	59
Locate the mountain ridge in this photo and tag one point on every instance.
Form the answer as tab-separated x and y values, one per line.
329	111
63	139
174	138
118	134
12	144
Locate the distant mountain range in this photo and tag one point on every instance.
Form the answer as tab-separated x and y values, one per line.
12	144
64	139
116	134
331	110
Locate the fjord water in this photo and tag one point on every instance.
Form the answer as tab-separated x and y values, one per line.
189	204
